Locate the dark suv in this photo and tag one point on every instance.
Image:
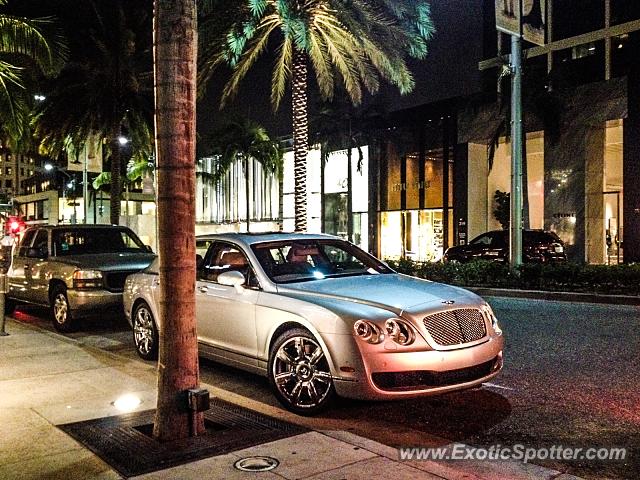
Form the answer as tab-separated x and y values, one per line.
75	270
538	246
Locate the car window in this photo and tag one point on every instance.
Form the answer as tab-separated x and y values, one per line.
536	238
482	240
225	257
25	243
202	246
41	243
91	241
306	260
499	240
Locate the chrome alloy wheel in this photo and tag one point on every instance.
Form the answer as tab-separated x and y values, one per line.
143	330
60	308
301	373
145	334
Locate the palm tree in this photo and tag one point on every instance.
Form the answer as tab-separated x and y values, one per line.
24	43
105	89
243	140
358	42
175	34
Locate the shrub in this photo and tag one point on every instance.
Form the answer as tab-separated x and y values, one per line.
573	277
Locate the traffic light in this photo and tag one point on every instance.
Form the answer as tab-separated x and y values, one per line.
14	225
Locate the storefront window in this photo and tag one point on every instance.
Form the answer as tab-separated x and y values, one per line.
613	192
394	182
413	234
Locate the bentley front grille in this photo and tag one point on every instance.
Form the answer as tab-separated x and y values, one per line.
456	327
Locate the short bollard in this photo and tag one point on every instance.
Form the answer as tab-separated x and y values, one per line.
3	292
6	251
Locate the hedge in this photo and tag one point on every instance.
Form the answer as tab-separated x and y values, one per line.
571	277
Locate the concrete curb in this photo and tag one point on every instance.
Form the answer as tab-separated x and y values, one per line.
557	296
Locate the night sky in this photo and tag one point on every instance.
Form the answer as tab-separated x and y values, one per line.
253	102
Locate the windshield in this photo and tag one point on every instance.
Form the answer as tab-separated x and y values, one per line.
307	260
91	241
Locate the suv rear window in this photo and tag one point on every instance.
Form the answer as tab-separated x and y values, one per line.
91	241
541	237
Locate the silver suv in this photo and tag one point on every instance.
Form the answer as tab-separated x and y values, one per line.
75	270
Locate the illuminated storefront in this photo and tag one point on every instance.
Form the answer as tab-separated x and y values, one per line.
416	192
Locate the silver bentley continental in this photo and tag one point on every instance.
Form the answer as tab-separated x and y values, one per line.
320	317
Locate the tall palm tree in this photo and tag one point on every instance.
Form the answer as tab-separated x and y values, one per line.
354	42
243	140
175	40
105	89
24	43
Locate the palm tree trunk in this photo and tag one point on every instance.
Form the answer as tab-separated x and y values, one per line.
300	137
175	48
116	181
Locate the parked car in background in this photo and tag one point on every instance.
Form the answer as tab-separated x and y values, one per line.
537	246
319	317
75	270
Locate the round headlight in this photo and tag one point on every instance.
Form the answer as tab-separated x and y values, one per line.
400	331
368	332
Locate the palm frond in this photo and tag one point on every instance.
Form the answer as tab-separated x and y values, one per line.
256	48
281	72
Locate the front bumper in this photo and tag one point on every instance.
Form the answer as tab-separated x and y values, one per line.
93	302
397	374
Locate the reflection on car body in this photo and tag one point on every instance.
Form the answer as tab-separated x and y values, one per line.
321	317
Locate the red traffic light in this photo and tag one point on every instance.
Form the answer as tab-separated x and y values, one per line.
14	225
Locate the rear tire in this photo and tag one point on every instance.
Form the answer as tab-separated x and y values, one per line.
145	332
61	314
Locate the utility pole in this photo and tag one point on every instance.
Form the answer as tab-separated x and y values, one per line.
515	217
520	20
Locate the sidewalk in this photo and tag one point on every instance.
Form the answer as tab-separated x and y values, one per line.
47	380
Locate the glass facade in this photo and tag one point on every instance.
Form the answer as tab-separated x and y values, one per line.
226	201
417	184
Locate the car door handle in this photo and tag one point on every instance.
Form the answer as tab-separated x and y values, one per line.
203	289
156	282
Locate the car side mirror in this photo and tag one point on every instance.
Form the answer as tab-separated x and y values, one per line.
199	261
232	278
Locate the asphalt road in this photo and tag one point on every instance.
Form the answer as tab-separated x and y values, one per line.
570	378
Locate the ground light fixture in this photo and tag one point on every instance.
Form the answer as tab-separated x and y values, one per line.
127	403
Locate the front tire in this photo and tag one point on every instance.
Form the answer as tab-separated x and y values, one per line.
145	332
63	320
299	373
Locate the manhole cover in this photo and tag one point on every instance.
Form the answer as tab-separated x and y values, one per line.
256	464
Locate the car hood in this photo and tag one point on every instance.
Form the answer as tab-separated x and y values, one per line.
393	292
110	261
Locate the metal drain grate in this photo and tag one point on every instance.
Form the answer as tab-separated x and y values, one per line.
125	442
